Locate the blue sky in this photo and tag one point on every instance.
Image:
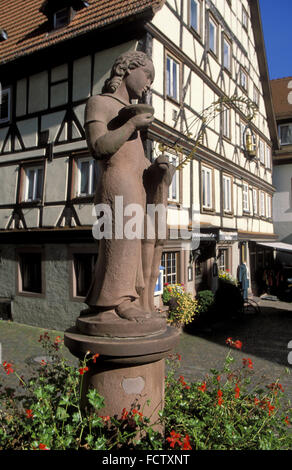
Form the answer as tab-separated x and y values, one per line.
277	27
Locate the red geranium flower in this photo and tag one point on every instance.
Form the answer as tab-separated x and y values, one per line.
220	399
237	391
43	447
203	387
29	414
124	413
174	439
82	370
7	367
247	362
186	443
95	357
287	421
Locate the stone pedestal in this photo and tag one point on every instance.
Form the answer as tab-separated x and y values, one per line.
128	372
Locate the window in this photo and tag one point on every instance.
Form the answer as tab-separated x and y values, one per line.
174	187
256	95
212	35
61	18
223	259
87	173
169	262
207	183
285	133
227	194
262	204
34	179
255	201
269	207
226	54
83	269
195	15
226	122
244	18
30	272
4	104
262	152
245	201
172	78
268	157
243	79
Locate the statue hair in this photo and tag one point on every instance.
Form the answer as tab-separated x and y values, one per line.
127	61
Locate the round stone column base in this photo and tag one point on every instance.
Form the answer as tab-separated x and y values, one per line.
129	372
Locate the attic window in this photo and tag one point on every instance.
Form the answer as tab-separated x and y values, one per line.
3	35
61	18
60	13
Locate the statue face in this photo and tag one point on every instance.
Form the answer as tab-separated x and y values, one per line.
139	80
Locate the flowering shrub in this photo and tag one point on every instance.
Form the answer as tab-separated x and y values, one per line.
226	276
222	412
225	411
182	306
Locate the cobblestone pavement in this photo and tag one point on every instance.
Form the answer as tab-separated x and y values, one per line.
265	339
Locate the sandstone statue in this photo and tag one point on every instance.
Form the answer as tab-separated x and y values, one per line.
121	293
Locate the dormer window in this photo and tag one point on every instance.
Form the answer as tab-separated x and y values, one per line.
61	13
61	18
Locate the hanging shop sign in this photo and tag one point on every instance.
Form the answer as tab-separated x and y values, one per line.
228	236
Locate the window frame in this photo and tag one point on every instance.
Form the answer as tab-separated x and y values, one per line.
262	149
243	72
268	157
210	171
226	122
245	207
24	183
269	210
175	160
262	204
228	42
6	90
73	251
197	30
91	176
172	275
169	78
255	201
19	276
279	132
69	17
227	209
210	19
244	18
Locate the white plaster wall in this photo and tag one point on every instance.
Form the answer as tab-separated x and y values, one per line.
52	122
56	179
21	93
38	92
51	215
9	176
81	78
29	131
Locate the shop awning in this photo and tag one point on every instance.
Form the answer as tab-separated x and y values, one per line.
279	246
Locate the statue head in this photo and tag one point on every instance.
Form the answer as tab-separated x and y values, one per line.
123	64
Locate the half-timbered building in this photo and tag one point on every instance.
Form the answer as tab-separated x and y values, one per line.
53	56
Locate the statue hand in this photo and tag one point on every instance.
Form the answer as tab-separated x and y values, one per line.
163	164
142	120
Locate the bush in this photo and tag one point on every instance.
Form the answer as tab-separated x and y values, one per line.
228	299
223	412
182	306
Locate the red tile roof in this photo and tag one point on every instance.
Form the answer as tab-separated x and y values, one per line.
28	29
